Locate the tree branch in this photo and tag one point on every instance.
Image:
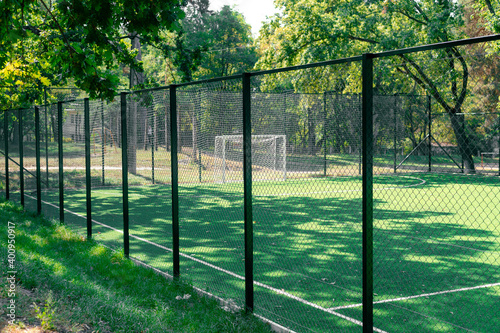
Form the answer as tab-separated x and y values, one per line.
420	10
71	49
366	40
490	6
424	81
411	17
465	78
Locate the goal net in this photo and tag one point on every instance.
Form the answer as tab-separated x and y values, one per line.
268	158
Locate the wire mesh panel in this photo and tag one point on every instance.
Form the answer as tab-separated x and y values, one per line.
307	227
149	165
342	132
49	162
29	158
73	163
7	163
401	132
106	172
210	214
14	156
436	235
269	150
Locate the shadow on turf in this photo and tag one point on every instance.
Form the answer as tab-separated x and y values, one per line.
312	247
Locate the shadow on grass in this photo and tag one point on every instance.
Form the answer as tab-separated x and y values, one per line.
110	292
311	247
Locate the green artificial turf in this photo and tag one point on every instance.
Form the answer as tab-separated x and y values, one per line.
433	233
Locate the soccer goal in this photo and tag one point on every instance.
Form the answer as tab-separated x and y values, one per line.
268	157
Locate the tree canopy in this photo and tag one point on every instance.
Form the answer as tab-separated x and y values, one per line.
214	44
48	43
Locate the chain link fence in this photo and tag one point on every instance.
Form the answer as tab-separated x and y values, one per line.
360	194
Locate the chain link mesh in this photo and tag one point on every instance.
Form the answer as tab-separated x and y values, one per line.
49	161
13	155
211	215
148	118
106	172
301	250
435	216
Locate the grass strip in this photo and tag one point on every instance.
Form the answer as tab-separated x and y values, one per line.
65	283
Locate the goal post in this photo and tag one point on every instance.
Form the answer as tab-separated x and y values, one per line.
268	157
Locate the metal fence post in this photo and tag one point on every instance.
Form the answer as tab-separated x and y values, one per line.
88	179
60	151
430	131
367	144
285	120
21	153
6	138
175	180
395	139
462	151
197	119
247	192
46	138
103	148
360	155
37	153
152	140
325	166
123	105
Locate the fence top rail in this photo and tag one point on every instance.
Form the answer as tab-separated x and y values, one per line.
307	66
436	46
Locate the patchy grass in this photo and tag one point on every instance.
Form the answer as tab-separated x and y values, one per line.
65	283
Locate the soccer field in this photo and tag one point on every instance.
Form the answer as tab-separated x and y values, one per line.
436	246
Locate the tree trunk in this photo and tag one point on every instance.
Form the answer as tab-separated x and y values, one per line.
195	137
135	79
167	130
132	136
311	132
15	130
463	141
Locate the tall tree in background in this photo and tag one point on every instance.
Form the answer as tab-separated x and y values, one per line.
190	40
211	44
230	45
214	44
322	30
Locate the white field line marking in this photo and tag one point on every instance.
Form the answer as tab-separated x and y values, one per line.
301	193
278	291
93	168
422	182
418	296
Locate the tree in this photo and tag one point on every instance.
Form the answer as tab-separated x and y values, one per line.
230	47
49	43
322	30
213	44
209	44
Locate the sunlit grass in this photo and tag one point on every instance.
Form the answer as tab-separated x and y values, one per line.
90	288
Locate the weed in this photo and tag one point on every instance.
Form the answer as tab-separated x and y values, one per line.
46	314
